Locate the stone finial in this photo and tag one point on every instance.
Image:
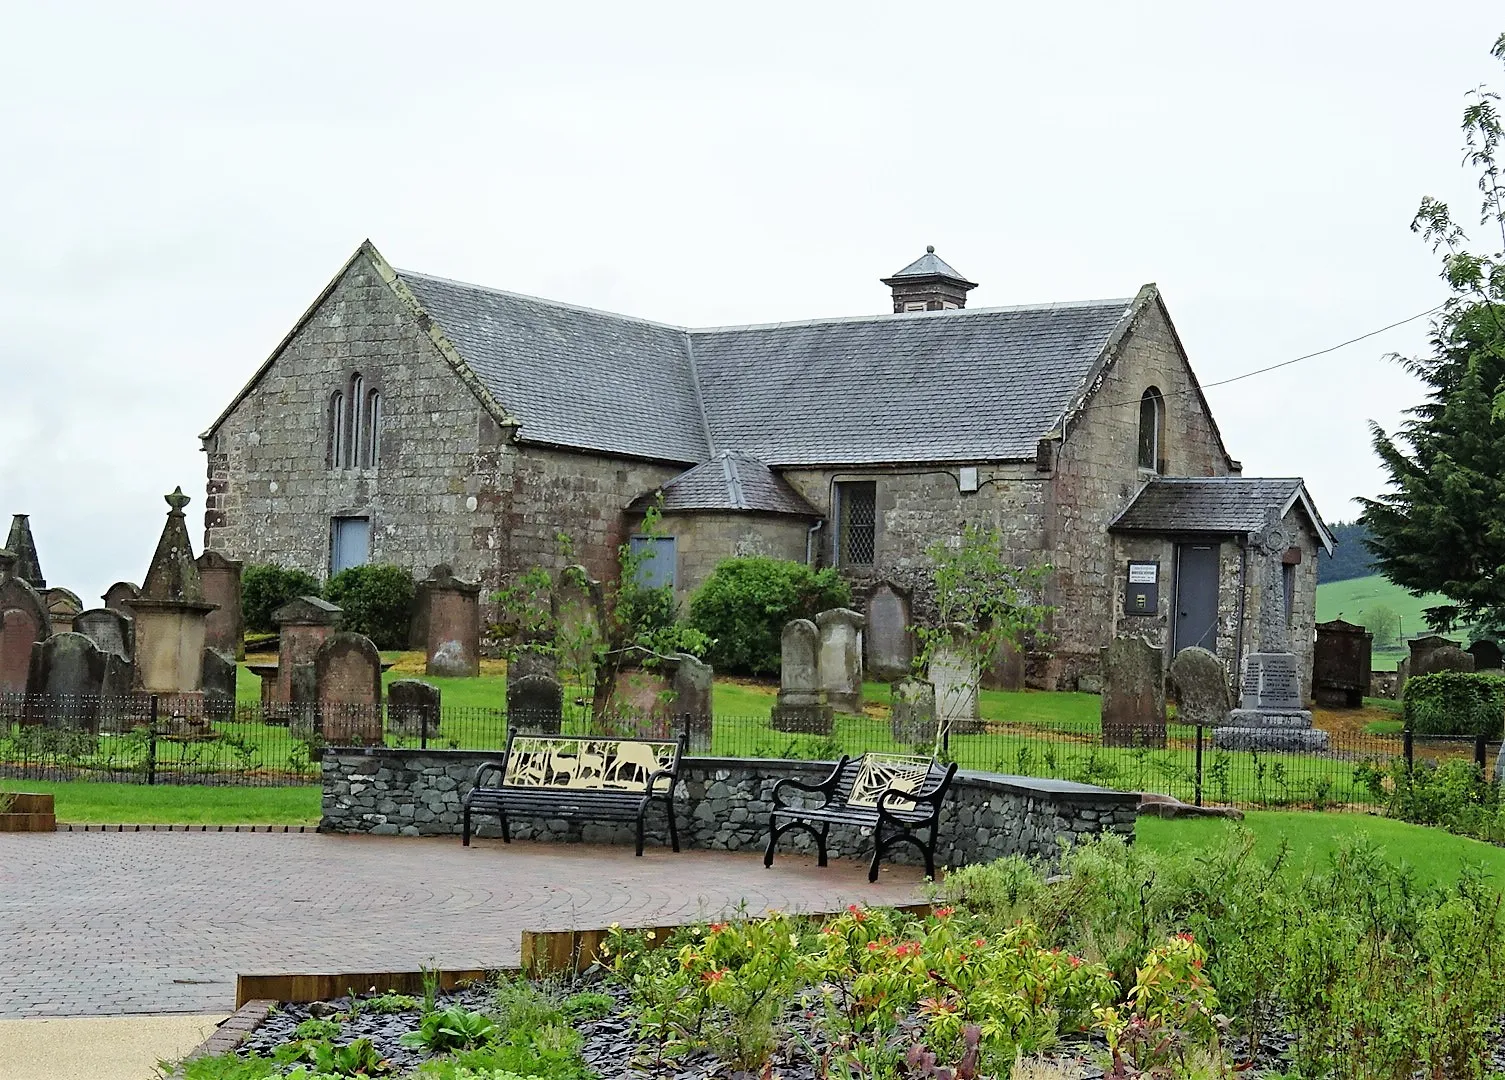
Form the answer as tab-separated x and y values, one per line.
24	548
7	563
173	575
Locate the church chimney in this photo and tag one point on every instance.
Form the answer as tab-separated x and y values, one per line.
928	284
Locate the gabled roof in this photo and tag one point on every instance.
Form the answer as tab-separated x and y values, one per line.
1219	505
730	481
927	265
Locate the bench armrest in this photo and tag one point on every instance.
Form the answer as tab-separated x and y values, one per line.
671	774
499	767
826	788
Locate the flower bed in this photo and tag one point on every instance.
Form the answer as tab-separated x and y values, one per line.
1191	966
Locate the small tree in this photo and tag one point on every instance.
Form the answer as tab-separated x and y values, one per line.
979	585
1382	621
377	601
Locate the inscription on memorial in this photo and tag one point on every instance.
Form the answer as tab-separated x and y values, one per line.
1271	682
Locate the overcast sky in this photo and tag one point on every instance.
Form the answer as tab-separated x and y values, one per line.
178	181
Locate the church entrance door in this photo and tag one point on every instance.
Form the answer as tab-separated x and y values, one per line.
1196	600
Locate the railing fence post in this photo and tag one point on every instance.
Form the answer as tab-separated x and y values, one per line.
1409	749
151	745
1199	762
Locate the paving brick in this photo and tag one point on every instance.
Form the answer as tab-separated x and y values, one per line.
98	924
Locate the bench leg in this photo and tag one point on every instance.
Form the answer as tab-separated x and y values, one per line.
506	827
820	844
640	833
878	847
465	828
673	828
773	841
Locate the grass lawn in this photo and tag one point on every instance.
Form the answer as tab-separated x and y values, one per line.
1436	856
83	801
1350	599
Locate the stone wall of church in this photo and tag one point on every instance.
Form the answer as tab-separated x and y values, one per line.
702	540
1097	474
442	468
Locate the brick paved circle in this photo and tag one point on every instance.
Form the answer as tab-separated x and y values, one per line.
109	923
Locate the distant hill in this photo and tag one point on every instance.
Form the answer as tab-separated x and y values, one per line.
1350	558
1374	595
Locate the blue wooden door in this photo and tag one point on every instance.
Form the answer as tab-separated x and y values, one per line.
349	543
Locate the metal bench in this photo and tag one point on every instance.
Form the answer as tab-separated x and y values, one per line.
895	796
579	779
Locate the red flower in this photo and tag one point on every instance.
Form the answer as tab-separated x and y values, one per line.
908	948
1075	961
857	912
717	927
980	943
713	976
1185	937
941	913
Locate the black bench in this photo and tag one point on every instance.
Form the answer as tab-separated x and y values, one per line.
580	779
896	797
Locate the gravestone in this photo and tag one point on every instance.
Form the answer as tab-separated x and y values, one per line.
1342	660
452	624
1271	713
1444	658
219	683
1133	704
1421	647
840	661
223	627
303	625
691	686
23	623
412	709
1006	669
1200	682
347	671
65	683
119	596
1486	654
954	674
802	705
113	634
110	630
912	717
535	662
169	618
24	549
535	704
62	606
887	639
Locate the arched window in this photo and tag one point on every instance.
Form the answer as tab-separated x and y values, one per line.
371	446
357	421
336	430
1152	431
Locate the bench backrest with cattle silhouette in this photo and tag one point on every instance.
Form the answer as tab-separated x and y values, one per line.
587	778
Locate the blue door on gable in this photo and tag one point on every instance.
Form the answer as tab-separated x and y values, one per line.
658	554
1196	601
349	543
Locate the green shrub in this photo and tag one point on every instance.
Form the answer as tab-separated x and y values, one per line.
745	603
377	601
1455	703
265	587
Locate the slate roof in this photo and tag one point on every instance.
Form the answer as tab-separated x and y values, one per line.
574	376
729	481
927	265
1215	505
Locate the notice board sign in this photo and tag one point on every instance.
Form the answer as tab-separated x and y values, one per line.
1142	594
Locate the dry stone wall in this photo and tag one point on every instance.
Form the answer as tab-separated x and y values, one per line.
721	804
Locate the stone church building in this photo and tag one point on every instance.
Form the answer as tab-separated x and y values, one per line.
410	419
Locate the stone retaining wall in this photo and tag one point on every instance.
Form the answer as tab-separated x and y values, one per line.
720	803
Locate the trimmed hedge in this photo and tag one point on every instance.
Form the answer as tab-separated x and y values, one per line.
377	601
745	603
265	587
1455	703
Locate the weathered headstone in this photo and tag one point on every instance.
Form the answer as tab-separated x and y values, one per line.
691	686
802	704
887	638
223	628
1133	705
1200	682
1421	647
347	668
412	709
119	596
66	682
912	717
62	606
1402	673
535	703
303	625
169	618
840	663
219	683
1446	658
1487	655
23	623
954	674
1005	671
452	624
110	630
1342	660
21	545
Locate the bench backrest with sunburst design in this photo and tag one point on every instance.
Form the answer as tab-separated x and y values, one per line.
589	763
866	778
